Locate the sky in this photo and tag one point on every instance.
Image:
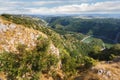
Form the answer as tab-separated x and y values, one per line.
49	7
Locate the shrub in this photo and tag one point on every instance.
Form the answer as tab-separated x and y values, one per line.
69	65
89	62
27	64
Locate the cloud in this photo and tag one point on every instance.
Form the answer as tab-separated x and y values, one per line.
21	6
27	3
99	7
64	7
45	2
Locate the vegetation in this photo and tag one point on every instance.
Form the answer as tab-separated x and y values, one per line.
89	62
27	64
106	29
107	54
27	21
74	53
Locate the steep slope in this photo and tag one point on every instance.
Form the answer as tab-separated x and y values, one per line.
30	50
108	70
16	38
12	35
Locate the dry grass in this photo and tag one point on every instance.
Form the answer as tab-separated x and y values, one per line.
2	76
109	71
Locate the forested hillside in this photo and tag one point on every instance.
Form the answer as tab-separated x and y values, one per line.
105	28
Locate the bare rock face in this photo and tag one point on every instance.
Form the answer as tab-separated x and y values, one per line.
11	35
54	50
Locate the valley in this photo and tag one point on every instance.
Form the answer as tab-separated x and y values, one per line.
59	39
32	49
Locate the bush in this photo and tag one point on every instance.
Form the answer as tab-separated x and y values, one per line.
89	62
69	66
107	54
27	63
42	44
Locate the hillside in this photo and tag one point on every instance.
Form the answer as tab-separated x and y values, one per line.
102	71
16	38
106	29
13	34
30	50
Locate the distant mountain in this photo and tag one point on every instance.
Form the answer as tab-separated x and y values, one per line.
100	15
80	15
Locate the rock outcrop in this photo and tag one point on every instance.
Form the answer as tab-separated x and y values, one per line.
102	71
11	35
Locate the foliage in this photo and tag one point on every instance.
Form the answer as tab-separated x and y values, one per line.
27	64
105	28
68	64
107	54
42	44
89	62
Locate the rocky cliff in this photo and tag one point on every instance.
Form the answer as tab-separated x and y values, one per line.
12	35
